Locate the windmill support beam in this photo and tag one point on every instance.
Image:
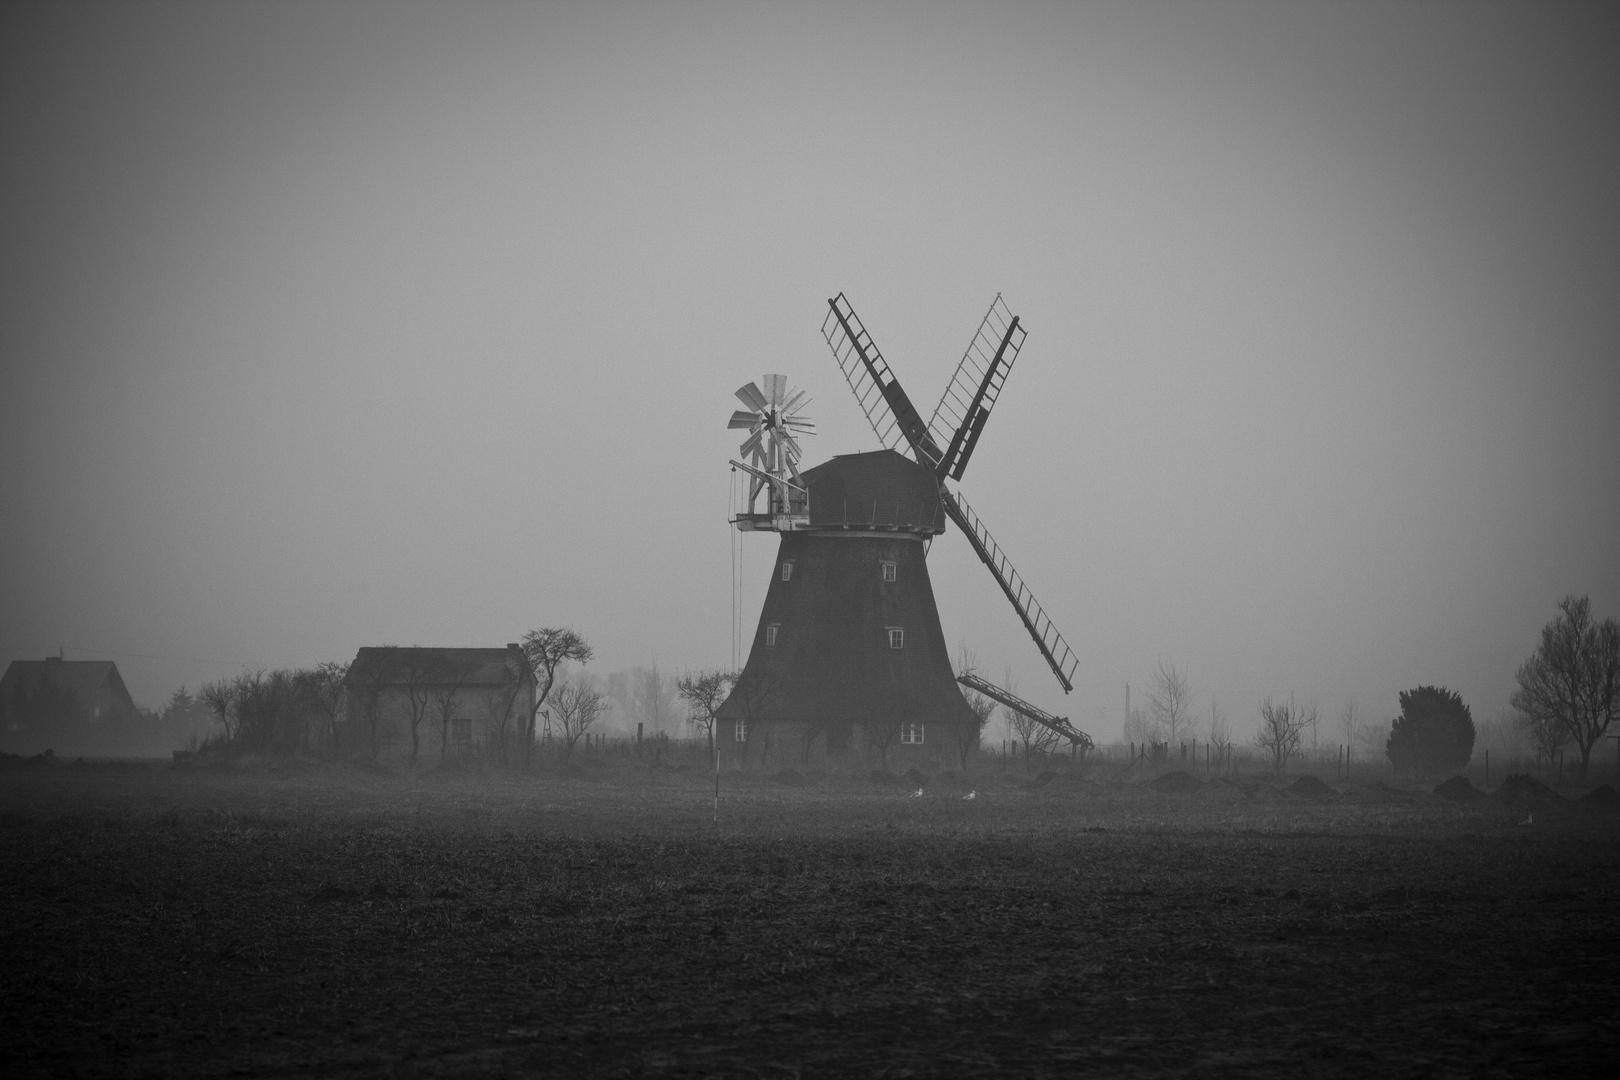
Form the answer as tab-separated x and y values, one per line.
1057	724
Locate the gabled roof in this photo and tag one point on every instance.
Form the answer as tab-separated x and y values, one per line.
394	665
91	681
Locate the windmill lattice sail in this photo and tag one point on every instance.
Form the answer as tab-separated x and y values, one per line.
959	417
1040	627
890	412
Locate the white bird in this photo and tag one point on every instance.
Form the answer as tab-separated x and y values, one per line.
917	794
969	795
1529	819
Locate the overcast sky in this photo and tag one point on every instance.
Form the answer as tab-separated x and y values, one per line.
329	325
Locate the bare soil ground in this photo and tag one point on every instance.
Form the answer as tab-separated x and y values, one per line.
328	922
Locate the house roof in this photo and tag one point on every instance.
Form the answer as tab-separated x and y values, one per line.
877	490
93	682
393	665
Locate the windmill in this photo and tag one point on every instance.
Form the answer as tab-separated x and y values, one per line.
772	419
849	639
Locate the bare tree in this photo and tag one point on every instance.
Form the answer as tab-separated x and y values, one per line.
221	699
967	737
546	650
1352	725
1544	733
417	672
652	698
449	680
1573	680
1170	698
704	693
1035	737
371	693
882	731
1282	727
756	694
1220	728
499	704
576	707
321	689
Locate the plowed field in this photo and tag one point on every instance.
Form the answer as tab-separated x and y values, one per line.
332	923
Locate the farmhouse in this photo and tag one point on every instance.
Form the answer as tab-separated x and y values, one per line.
40	696
456	701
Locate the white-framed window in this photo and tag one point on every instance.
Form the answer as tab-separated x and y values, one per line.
911	733
461	731
787	571
888	571
897	638
741	731
770	635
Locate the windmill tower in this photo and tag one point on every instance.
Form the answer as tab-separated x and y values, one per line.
849	655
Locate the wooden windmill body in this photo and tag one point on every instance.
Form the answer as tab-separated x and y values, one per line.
849	659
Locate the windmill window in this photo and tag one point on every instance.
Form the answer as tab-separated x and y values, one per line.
770	636
911	733
742	731
888	571
897	638
787	571
461	731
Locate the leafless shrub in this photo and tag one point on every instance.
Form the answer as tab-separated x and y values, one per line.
1220	728
967	738
703	693
1032	735
1282	728
576	706
1170	699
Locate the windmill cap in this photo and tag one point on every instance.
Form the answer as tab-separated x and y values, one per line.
876	490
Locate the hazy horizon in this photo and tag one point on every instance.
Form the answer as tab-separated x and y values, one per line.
333	325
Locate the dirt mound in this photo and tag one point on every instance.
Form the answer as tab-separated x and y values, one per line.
1375	794
1043	779
366	765
1604	797
789	778
1522	790
916	778
884	779
1175	783
10	762
1458	789
1264	793
578	772
1220	790
1312	789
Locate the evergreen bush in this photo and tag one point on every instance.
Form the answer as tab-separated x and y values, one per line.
1433	734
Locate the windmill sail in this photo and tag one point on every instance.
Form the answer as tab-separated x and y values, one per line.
1057	724
965	406
1040	627
887	408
